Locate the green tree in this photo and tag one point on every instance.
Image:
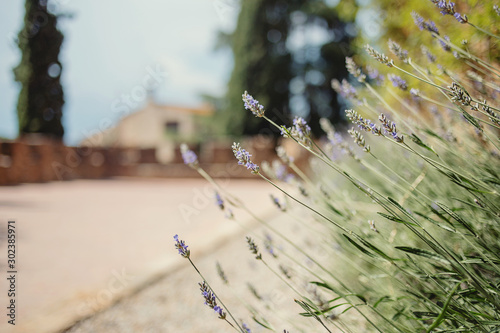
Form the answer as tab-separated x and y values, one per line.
395	21
41	97
283	74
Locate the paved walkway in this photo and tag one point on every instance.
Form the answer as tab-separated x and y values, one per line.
83	244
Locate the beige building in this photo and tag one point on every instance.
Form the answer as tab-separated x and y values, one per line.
153	126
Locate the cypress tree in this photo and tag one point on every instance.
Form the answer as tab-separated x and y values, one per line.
260	66
41	98
265	64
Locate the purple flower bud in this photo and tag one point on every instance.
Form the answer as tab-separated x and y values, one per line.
189	156
398	82
210	300
422	25
375	75
253	105
181	247
390	128
246	328
415	92
461	18
219	201
444	43
243	158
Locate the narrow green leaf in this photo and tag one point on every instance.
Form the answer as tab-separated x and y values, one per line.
422	253
421	314
419	142
436	223
471	119
472	261
263	323
434	134
383	299
403	210
440	318
324	285
335	210
359	247
491	180
327	286
457	218
308	308
395	219
375	249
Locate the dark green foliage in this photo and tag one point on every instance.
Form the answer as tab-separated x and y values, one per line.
264	64
41	98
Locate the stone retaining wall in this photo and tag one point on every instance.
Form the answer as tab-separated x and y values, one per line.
46	160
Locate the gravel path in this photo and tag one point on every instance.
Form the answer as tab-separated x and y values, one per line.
103	250
173	303
85	243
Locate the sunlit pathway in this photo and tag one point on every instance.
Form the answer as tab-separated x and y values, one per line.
84	243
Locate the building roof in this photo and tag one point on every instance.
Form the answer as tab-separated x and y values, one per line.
145	126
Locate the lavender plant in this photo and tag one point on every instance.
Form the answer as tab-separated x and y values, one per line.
408	223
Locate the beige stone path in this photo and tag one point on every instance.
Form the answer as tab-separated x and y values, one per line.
83	244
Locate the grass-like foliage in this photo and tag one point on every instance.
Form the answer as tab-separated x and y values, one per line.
410	219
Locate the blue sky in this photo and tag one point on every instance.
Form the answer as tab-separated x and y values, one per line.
116	49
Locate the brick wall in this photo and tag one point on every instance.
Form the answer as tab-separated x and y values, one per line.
44	160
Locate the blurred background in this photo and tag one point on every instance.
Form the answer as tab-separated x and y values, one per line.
91	79
95	98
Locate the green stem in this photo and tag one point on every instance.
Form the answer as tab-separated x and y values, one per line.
423	80
483	30
225	307
440	318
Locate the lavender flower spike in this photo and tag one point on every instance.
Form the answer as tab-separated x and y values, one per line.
281	152
181	247
345	89
397	81
246	328
445	43
459	94
219	201
390	128
375	75
243	158
253	248
398	51
359	139
221	273
210	300
189	156
354	70
364	124
448	8
415	93
382	58
253	105
277	203
496	9
301	130
422	25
